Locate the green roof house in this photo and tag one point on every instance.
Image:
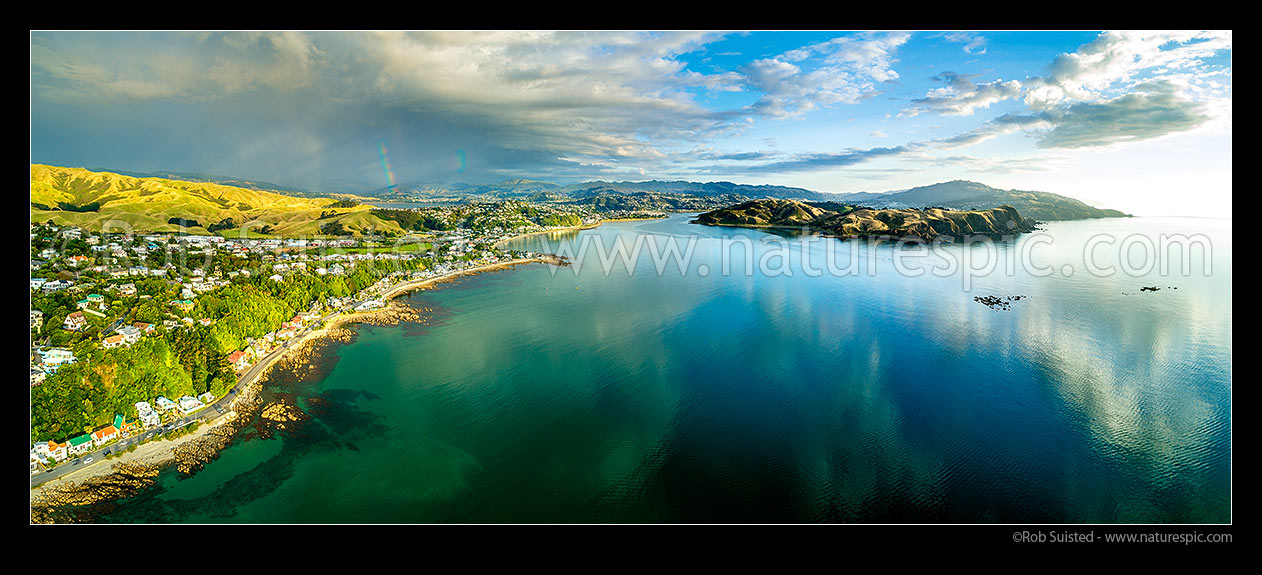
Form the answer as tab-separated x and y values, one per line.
81	444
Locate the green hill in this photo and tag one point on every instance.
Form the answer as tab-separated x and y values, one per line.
110	201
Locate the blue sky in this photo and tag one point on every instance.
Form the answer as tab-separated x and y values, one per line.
1139	121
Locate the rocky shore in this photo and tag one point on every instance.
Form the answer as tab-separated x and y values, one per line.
996	302
81	501
66	501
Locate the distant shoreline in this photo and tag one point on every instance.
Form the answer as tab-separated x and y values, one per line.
551	231
578	228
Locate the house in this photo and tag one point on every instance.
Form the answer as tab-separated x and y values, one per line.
75	321
370	304
37	376
148	416
37	283
112	342
97	300
276	278
55	357
205	321
183	305
56	285
51	449
130	334
104	435
189	404
143	327
80	445
127	427
37	319
127	289
239	360
206	398
165	404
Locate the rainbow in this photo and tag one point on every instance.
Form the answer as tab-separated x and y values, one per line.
385	164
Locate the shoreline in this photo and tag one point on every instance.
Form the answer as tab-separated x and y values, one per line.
154	456
496	245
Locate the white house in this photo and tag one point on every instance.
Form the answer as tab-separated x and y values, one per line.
148	416
52	358
51	449
165	404
80	445
104	435
370	304
130	334
189	404
75	321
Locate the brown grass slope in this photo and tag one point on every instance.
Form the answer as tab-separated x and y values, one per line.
107	201
766	212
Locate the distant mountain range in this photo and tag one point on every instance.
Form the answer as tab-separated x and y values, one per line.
966	195
677	195
684	195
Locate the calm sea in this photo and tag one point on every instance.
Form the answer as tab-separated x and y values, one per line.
865	393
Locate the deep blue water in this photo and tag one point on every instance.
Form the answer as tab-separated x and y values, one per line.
544	394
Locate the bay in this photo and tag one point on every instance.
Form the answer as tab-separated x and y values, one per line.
679	393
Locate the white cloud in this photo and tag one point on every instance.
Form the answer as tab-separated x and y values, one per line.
843	70
973	42
1115	59
961	97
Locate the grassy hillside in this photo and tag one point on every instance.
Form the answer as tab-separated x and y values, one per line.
765	213
105	200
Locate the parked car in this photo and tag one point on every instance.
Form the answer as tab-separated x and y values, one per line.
87	459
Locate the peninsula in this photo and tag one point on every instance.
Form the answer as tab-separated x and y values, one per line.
845	221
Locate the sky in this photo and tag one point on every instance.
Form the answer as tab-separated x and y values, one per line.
1132	120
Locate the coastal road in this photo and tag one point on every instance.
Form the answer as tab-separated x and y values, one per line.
224	404
207	414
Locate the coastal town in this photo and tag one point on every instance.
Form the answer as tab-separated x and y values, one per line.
136	336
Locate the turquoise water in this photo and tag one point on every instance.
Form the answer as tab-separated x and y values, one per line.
543	394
